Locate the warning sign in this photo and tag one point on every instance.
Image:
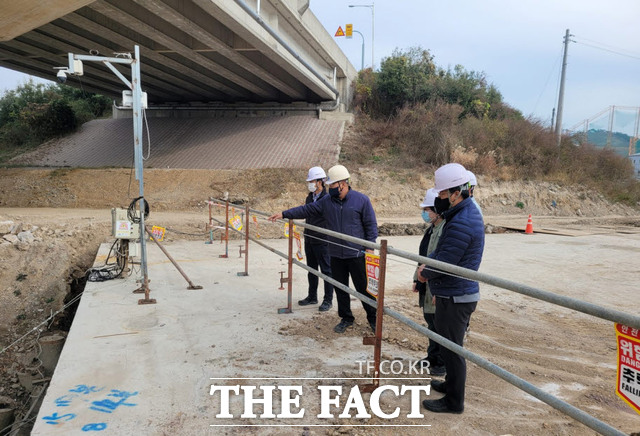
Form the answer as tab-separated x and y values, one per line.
236	222
158	232
373	273
286	230
628	365
123	229
349	30
339	32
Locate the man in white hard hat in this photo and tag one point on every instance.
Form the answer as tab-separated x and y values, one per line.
316	247
428	244
461	244
473	182
350	212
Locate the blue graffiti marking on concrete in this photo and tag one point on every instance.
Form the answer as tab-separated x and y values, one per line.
84	389
113	401
56	419
98	426
107	405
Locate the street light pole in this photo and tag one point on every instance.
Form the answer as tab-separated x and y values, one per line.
373	31
362	57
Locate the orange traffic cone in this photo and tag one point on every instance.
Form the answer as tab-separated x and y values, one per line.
529	229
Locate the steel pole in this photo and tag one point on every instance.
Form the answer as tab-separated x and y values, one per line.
139	164
361	57
561	93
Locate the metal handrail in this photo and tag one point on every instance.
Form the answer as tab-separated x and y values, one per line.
571	303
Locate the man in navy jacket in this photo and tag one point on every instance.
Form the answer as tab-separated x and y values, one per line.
350	212
461	244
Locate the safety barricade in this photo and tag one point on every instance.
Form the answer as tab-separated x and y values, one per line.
608	314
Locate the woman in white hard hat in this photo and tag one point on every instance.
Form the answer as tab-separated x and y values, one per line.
316	247
428	244
461	244
349	212
473	182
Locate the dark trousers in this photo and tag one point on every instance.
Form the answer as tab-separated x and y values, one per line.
318	256
434	355
451	322
356	267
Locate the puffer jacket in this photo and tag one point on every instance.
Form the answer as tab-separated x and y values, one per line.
461	244
310	236
353	216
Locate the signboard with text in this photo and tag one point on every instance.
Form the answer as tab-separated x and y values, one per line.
373	273
628	388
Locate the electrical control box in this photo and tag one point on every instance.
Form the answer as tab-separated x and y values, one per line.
127	99
121	227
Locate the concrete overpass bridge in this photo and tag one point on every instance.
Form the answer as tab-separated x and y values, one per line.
195	54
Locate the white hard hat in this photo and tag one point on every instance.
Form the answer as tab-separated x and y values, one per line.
337	173
450	175
316	173
472	179
429	198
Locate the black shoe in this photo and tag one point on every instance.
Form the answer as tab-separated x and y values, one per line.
438	371
324	306
439	406
439	386
340	328
307	301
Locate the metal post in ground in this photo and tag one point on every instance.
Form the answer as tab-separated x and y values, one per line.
376	340
289	272
246	244
226	231
210	241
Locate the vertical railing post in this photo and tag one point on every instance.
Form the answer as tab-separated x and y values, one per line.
289	278
226	231
377	340
246	244
210	221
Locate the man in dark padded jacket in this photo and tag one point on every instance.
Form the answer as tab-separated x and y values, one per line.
350	212
461	244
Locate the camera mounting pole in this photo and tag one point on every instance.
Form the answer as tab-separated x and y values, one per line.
75	68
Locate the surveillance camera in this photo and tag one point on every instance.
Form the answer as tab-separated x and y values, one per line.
62	76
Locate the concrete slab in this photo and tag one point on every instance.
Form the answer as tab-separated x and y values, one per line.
130	369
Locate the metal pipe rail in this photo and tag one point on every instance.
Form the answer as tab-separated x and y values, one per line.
601	312
571	303
550	297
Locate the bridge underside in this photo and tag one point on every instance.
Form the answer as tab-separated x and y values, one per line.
192	50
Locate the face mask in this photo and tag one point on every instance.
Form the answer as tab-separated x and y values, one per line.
426	217
311	186
441	204
334	192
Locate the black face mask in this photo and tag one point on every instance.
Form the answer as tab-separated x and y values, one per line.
441	204
335	192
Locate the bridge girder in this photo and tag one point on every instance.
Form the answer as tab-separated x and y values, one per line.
192	50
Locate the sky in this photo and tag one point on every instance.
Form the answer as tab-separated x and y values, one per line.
516	43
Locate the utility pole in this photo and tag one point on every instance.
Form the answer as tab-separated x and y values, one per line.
561	94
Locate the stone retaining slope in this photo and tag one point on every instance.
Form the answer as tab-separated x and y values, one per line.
211	143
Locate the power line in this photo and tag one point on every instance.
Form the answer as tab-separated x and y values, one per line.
544	88
610	50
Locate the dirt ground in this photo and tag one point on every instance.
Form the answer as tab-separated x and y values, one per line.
68	213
